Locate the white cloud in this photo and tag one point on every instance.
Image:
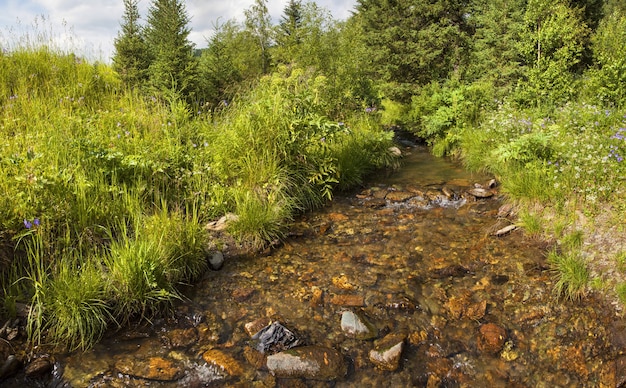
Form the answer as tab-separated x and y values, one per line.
90	27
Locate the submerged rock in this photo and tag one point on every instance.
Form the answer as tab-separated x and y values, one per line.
224	361
357	326
388	351
153	368
275	338
308	362
491	338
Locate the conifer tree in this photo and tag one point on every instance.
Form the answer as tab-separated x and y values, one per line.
288	35
413	42
130	59
173	66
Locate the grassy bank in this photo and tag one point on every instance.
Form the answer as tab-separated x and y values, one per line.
565	170
106	191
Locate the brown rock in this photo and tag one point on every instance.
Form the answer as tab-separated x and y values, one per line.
181	338
254	357
317	296
39	367
224	361
337	217
399	196
255	326
476	310
243	293
155	368
308	362
348	300
491	338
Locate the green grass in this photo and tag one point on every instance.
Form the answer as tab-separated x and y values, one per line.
122	184
620	289
571	275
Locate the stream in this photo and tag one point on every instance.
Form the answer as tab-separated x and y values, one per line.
399	284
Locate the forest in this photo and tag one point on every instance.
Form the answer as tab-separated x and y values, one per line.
110	172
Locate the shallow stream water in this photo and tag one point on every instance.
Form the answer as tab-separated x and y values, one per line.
414	254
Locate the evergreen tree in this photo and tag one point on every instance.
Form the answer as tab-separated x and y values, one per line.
495	59
288	34
413	42
259	26
173	66
130	59
220	65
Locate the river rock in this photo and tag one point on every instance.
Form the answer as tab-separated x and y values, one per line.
399	196
256	326
491	338
480	192
308	362
216	260
388	351
357	326
153	368
275	338
224	361
181	338
348	300
222	223
506	230
39	367
9	367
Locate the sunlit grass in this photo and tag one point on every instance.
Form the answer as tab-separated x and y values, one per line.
570	273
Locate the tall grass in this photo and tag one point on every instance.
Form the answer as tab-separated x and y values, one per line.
122	183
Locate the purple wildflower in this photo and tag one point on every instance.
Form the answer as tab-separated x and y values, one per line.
28	224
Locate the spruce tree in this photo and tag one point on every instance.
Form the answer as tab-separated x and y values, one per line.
173	67
130	59
288	31
413	42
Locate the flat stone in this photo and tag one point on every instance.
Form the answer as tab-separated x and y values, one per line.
308	362
479	192
153	368
224	361
399	196
348	300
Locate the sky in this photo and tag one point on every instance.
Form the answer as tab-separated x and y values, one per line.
89	27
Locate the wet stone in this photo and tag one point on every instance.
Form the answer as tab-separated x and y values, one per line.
241	294
181	338
357	326
256	326
39	367
388	351
479	192
275	338
9	367
153	368
308	362
348	300
399	196
223	361
216	260
491	338
454	270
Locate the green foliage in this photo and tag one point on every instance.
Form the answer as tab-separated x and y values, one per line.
259	27
607	80
551	47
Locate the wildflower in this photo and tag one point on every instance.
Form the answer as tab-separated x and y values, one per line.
28	224
36	222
